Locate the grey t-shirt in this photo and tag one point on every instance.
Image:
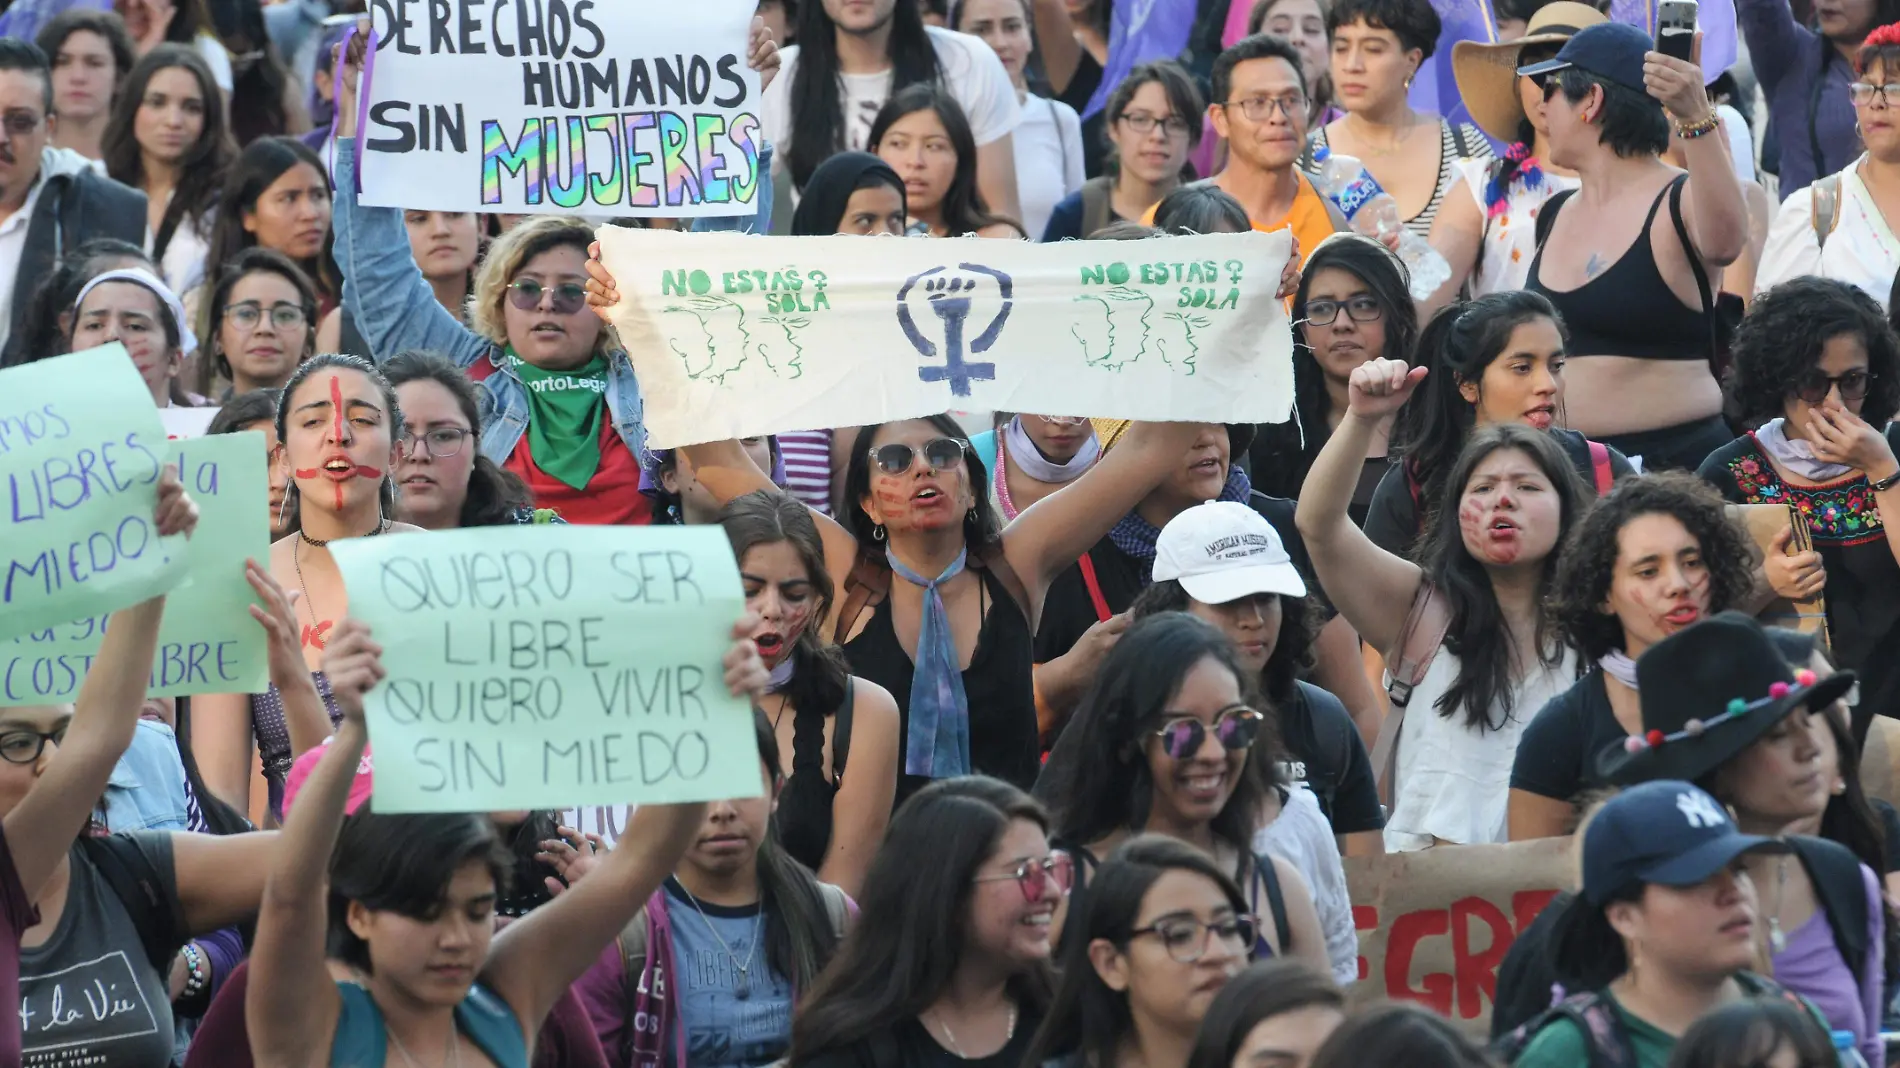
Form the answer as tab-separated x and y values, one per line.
88	995
724	1030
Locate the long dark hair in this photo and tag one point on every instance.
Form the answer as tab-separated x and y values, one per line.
1458	344
914	918
45	326
963	209
798	935
814	97
1098	782
293	503
981	531
220	818
1088	1018
214	362
1387	282
201	169
495	495
766	517
1292	652
1478	636
262	162
526	888
1265	990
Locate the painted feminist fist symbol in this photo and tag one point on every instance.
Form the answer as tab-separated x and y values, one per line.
949	297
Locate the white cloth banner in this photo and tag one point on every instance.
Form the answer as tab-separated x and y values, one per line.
588	107
735	336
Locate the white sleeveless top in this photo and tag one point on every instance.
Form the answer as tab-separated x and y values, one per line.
1509	243
1454	782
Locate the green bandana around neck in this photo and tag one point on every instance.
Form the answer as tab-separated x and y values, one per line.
564	409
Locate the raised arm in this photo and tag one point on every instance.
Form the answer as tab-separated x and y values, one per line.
1712	204
221	876
1055	41
1458	235
42	827
291	1005
1775	40
1370	587
534	960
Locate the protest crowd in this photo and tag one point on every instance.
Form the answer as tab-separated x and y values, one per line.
1362	540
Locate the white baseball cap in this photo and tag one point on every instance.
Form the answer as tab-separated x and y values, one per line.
1222	551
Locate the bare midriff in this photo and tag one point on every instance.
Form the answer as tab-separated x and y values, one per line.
1609	395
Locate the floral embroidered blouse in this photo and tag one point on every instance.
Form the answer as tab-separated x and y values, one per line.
1863	578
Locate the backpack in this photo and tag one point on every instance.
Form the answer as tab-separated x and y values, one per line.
126	869
1595	1018
1824	197
1096	209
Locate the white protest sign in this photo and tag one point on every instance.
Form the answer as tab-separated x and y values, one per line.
547	667
736	336
591	107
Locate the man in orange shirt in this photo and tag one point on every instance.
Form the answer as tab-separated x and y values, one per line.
1260	108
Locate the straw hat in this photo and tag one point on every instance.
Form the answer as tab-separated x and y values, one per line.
1487	73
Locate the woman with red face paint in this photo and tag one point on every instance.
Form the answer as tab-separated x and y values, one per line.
131	306
337	422
1476	654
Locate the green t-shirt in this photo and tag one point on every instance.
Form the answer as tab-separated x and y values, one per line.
1561	1044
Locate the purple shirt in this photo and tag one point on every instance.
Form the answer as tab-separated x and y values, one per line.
1812	966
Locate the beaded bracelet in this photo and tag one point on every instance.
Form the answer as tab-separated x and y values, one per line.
1689	131
197	976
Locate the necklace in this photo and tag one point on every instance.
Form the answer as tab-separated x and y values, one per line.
743	988
951	1037
296	564
454	1056
1777	941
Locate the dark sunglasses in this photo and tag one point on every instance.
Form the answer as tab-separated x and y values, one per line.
1034	876
1236	728
569	297
939	453
1813	386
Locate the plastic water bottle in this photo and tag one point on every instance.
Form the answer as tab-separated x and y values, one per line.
1371	211
1847	1051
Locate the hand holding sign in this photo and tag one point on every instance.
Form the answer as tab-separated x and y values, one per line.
176	513
354	665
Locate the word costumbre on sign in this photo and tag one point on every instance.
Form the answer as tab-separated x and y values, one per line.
81	450
208	642
738	336
547	667
584	106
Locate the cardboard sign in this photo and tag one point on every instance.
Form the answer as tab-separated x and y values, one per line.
737	336
1434	924
550	667
81	449
591	107
208	642
1765	523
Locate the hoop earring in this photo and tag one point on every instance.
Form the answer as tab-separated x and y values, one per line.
877	532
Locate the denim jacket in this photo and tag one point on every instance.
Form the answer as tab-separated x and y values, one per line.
396	309
147	789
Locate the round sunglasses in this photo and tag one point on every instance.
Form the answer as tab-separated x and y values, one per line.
569	297
1813	384
939	453
1036	876
1235	729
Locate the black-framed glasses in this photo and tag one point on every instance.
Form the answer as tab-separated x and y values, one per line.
1863	94
1234	729
441	442
25	747
1360	309
569	297
1185	938
283	315
1261	108
896	458
1143	123
21	123
1813	385
1035	876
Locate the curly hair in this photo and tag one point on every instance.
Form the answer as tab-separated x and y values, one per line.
1292	651
1585	569
1784	334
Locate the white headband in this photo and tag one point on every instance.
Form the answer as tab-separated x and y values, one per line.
187	341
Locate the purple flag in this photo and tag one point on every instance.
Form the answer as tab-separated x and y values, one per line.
1435	88
1140	31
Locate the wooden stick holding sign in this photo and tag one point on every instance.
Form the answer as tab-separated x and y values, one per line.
549	667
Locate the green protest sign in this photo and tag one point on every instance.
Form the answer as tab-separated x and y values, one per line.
208	642
542	667
81	447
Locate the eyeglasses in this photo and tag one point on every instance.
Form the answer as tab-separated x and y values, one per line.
283	316
1063	420
1358	309
1185	938
1813	386
1236	728
20	123
939	453
1261	108
1863	94
1143	123
441	443
569	297
25	747
1035	876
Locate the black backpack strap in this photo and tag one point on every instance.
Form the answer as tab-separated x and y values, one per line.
138	886
1695	268
1269	878
1459	142
841	730
1835	872
1547	216
1593	1016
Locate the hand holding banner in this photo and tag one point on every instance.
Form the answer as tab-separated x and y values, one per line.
545	667
736	336
81	447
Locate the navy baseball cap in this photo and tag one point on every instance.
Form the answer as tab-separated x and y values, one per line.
1611	50
1667	832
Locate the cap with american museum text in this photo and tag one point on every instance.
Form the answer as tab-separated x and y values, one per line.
1222	551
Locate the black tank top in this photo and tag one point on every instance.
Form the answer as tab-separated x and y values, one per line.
804	803
999	684
1628	310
